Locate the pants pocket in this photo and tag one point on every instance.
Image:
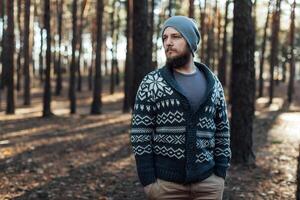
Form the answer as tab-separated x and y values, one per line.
219	180
210	188
213	183
153	192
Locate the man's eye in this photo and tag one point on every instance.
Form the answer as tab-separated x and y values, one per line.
177	36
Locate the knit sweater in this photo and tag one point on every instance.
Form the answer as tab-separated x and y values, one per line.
169	140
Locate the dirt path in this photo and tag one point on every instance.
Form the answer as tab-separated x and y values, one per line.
276	140
276	163
89	157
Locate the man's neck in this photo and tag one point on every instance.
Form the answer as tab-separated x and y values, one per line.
188	68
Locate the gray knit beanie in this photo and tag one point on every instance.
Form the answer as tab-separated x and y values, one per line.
187	28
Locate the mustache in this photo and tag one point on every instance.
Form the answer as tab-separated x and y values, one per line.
170	49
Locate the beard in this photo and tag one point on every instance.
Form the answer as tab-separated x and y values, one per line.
178	61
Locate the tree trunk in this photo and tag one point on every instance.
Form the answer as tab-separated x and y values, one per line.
274	47
105	33
31	38
158	25
243	83
41	58
262	57
112	49
105	56
150	32
170	7
284	55
203	26
26	67
8	60
97	101
72	92
94	30
222	69
90	73
19	58
292	58
47	89
53	55
141	67
219	32
117	75
60	11
3	71
210	44
79	84
191	8
1	46
128	101
213	38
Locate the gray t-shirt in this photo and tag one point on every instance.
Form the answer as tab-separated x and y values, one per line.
193	85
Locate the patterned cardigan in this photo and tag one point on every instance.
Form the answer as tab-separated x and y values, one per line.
169	140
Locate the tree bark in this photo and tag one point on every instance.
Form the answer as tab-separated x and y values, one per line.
219	32
79	84
90	73
158	36
128	79
72	92
292	54
1	46
274	47
210	43
96	107
47	86
284	55
112	49
117	75
60	11
3	71
8	60
243	84
170	7
222	69
150	32
140	30
94	33
262	57
203	24
19	58
26	67
191	8
41	58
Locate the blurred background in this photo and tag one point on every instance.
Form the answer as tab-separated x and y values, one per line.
70	69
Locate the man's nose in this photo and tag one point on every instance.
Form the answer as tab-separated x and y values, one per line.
169	41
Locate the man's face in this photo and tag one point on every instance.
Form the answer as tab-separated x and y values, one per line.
176	48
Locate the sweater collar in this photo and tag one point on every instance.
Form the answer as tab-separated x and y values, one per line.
168	75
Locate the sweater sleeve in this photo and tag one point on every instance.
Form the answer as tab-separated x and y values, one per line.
142	128
222	152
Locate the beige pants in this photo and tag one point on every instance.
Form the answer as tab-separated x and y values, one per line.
210	188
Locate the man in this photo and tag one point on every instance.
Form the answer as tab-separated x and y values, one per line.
180	129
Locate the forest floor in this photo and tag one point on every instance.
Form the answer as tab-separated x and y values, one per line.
85	156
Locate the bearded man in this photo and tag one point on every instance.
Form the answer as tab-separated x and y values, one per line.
180	130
